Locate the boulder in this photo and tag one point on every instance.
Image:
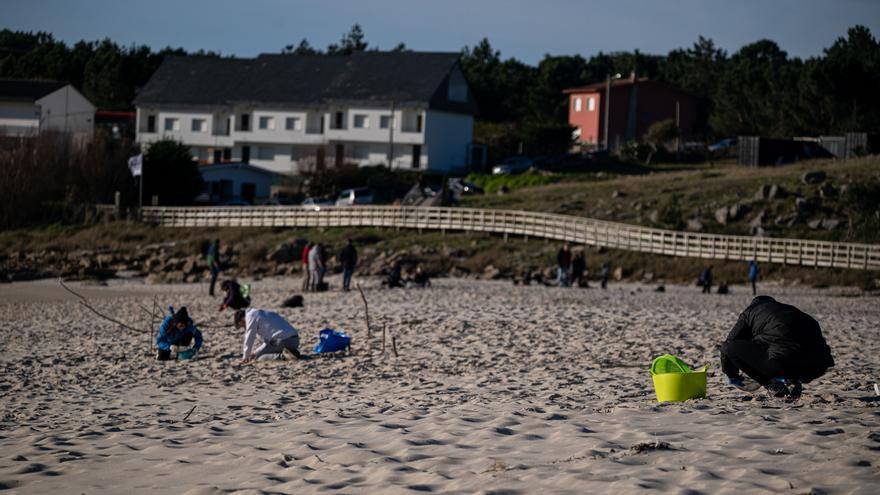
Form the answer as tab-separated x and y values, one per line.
191	266
813	177
769	191
814	224
802	205
491	273
618	273
694	225
827	190
737	211
617	194
830	223
283	253
787	220
722	215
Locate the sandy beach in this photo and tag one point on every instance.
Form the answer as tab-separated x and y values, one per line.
496	389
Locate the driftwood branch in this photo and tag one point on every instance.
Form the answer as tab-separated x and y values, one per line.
366	309
83	301
383	338
394	345
190	412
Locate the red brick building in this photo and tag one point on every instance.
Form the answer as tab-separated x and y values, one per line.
635	105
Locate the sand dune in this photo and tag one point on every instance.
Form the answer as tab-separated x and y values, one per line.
497	389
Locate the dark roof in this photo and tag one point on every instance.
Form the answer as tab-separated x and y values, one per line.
307	80
600	86
27	89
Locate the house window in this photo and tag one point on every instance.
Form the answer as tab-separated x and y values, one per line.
199	125
577	104
361	121
591	104
419	123
151	123
297	153
172	124
293	124
267	123
265	152
339	121
245	122
384	121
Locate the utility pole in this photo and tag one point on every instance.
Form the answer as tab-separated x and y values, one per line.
391	137
608	105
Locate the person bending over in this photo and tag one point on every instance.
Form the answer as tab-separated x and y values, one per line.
277	335
778	346
234	298
178	330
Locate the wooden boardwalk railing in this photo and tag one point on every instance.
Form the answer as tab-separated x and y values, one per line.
574	229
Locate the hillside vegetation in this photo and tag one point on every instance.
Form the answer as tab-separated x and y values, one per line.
843	206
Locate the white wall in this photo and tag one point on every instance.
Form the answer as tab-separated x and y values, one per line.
373	132
19	119
67	110
448	136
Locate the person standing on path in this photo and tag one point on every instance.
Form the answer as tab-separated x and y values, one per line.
753	276
563	272
348	256
305	266
213	259
578	266
604	273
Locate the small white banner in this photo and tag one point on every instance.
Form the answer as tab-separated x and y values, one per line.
135	164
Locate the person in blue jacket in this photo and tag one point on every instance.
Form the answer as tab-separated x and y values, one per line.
178	330
753	276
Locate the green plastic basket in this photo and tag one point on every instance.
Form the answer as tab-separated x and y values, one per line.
674	381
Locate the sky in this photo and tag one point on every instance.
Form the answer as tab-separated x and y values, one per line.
523	29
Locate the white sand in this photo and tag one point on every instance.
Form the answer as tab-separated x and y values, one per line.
498	389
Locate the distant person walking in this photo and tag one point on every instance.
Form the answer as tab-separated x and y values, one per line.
563	271
753	276
578	266
706	280
316	267
348	257
305	266
604	273
213	259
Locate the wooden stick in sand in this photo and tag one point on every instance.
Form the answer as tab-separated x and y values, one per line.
187	414
394	345
366	309
85	303
383	338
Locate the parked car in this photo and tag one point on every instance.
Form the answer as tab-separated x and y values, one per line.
723	145
512	165
275	202
463	187
358	196
317	203
235	203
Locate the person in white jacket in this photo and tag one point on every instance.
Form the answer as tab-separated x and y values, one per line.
277	335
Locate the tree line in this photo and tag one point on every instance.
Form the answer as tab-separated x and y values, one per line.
756	90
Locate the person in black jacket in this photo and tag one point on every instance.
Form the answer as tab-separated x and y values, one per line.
778	346
234	298
348	257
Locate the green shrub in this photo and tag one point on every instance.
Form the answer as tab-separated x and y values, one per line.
492	183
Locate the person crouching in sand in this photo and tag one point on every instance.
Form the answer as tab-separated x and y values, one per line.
178	330
278	336
778	346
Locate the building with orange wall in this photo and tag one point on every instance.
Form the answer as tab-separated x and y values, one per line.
636	104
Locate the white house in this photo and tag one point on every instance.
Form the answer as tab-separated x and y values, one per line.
29	107
289	113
